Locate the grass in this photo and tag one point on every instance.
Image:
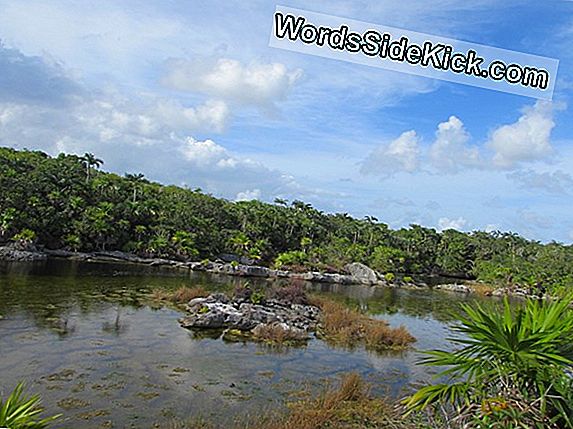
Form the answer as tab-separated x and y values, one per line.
182	295
347	405
293	293
344	326
481	288
277	334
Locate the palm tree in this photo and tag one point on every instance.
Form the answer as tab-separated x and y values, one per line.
137	180
513	370
90	161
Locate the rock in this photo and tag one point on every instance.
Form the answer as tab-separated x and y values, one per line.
196	301
10	253
254	271
210	320
454	288
361	273
197	266
218	311
158	262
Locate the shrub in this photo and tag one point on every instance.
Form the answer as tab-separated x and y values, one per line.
408	279
513	370
25	237
294	257
390	277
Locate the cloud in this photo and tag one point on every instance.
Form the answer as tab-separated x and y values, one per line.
491	227
104	37
449	151
556	182
138	133
528	139
255	194
509	146
132	137
389	202
529	220
213	115
399	155
30	79
445	223
253	84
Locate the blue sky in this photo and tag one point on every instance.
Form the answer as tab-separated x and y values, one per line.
189	92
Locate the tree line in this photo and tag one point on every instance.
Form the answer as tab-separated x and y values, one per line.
66	202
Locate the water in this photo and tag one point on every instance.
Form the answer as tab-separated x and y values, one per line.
86	337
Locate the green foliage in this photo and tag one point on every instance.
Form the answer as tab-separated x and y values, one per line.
25	237
73	242
257	297
19	411
513	370
408	279
390	277
69	203
294	257
386	259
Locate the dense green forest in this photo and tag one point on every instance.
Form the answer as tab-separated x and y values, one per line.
67	203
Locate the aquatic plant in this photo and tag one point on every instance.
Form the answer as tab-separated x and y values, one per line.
278	334
345	405
514	369
345	326
19	411
182	295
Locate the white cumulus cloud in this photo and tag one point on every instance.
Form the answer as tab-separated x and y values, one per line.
248	195
255	83
450	151
400	154
528	139
447	223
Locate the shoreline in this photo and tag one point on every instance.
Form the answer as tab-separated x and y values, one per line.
356	273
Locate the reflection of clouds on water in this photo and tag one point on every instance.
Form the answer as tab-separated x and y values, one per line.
123	351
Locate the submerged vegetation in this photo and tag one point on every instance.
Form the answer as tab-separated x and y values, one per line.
67	203
346	405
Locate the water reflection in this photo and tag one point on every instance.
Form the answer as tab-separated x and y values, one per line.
85	337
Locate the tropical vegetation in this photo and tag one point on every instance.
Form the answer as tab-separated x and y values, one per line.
66	202
18	411
514	369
